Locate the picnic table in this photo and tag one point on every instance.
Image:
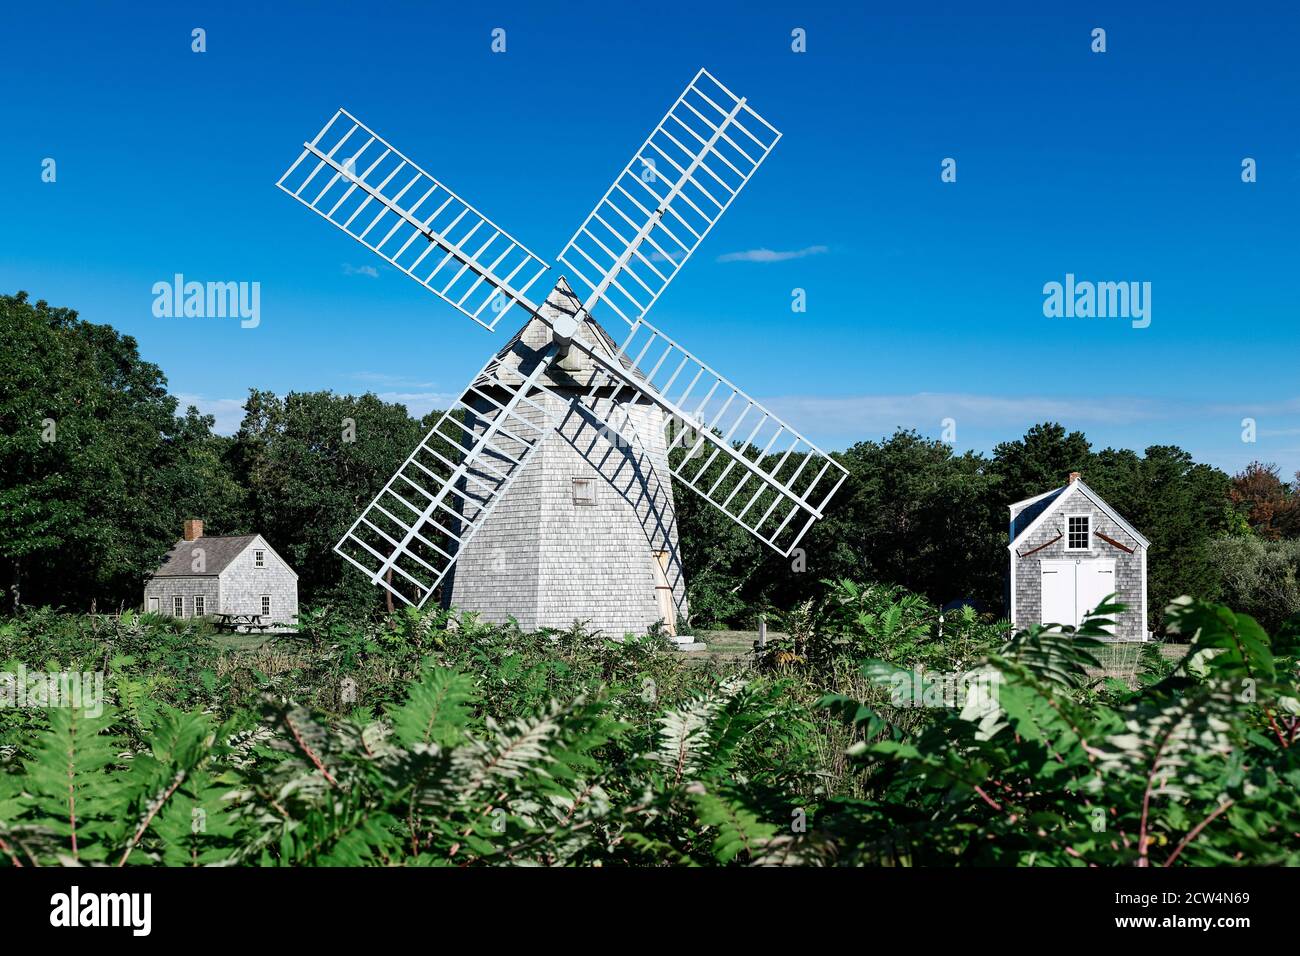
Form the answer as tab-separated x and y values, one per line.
233	622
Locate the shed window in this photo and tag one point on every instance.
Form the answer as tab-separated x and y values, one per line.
1078	528
259	559
178	606
199	605
266	604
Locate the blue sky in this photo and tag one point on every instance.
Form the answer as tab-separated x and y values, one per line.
925	298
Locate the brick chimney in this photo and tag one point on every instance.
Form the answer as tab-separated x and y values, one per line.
1074	476
193	529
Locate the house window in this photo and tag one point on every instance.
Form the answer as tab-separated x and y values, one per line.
259	559
584	491
1077	530
199	605
266	604
153	605
178	606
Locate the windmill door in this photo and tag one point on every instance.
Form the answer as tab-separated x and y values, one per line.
1070	589
664	593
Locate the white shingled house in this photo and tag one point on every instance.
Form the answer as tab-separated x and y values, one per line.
1069	551
206	575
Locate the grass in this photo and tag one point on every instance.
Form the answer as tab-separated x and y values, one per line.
239	642
732	645
1122	660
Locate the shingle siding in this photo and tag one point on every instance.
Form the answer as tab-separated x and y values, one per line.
166	589
1027	580
243	584
545	560
548	561
237	589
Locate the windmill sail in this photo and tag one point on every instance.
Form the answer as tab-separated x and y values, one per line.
411	534
360	183
725	446
667	198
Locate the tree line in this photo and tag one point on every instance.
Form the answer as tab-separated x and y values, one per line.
99	466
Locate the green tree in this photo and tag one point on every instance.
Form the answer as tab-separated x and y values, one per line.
1039	462
96	469
1176	503
915	514
1259	576
312	461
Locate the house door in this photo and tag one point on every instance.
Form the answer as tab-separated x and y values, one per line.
153	605
1070	589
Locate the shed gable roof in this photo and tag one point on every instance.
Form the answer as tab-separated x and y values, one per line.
1045	505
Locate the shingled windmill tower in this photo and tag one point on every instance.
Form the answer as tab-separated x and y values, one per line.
546	487
588	532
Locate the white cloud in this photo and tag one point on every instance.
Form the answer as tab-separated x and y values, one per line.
392	381
1286	406
864	416
419	404
368	271
228	412
771	255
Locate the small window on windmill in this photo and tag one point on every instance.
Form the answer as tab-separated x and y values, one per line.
259	559
584	491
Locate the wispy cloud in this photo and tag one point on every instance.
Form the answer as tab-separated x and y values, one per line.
866	416
1285	406
369	271
392	381
228	412
419	404
772	255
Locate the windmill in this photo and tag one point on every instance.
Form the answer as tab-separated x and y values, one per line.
610	421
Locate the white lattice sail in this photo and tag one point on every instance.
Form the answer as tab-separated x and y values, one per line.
408	538
725	446
667	198
357	181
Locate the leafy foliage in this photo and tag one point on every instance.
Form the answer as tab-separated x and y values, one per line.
491	746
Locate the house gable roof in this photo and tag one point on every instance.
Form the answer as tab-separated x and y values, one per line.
1046	506
219	552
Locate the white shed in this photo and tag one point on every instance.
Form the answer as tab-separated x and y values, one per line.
1069	551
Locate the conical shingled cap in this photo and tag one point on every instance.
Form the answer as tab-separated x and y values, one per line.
520	354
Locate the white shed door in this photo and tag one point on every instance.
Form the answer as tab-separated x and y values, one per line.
1070	589
1058	592
1096	581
